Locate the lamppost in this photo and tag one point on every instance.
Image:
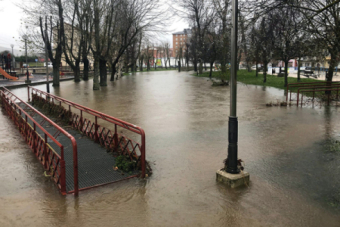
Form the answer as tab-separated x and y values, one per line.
27	81
13	57
233	123
231	174
46	62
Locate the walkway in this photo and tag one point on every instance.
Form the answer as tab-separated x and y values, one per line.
95	164
36	79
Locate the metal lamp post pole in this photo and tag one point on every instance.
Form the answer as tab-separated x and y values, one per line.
13	66
46	62
27	80
233	123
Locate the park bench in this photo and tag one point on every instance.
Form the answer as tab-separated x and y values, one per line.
308	73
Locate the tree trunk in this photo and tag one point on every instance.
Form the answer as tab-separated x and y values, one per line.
103	72
257	69
299	70
77	72
201	68
113	72
331	68
265	72
96	74
86	69
195	64
211	68
286	73
141	64
56	75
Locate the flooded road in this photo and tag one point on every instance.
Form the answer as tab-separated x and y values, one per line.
294	173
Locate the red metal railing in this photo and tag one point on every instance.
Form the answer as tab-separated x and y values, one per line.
316	89
328	89
52	161
100	134
307	84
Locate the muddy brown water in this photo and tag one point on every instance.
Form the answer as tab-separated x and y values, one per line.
294	175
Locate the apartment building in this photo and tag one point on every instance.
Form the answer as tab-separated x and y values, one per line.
179	40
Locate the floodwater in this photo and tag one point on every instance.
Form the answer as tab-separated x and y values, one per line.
293	172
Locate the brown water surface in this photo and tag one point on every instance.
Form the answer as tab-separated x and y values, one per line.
294	175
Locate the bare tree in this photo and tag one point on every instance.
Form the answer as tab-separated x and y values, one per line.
200	15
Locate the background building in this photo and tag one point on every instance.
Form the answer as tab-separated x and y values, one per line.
180	39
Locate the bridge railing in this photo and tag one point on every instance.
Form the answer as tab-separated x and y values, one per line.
53	162
108	138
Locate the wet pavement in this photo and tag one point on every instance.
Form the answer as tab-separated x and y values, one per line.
293	168
35	78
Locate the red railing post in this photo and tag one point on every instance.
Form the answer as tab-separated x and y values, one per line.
62	177
26	129
81	121
75	169
116	137
96	129
143	155
34	139
45	153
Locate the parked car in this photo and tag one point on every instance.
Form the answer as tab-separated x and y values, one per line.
49	64
24	66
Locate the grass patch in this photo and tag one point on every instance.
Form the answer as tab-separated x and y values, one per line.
124	164
35	64
151	70
250	78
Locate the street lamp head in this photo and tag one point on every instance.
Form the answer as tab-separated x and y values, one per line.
25	37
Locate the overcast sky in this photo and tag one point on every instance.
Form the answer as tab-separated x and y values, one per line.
11	24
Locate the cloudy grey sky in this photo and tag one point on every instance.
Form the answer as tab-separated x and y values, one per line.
12	22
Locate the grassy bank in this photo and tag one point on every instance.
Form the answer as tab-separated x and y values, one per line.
250	78
151	70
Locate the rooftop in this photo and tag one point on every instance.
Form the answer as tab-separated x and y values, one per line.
184	32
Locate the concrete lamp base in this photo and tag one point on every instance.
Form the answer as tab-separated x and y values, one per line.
232	180
27	81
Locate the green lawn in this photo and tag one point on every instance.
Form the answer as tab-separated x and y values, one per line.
152	70
250	78
35	64
157	69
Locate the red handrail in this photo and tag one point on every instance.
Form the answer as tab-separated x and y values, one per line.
105	117
321	83
313	87
316	90
73	141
